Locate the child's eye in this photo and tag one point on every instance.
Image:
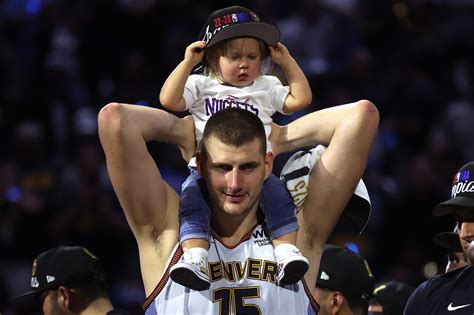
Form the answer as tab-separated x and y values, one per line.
253	57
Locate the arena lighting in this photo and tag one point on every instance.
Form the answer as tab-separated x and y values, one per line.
352	246
430	269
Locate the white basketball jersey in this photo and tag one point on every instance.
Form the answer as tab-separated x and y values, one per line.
243	281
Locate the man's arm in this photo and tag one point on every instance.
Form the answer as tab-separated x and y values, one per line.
350	131
150	205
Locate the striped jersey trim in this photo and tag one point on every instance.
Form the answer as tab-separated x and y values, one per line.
164	279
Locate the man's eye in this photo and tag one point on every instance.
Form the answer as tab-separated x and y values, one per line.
247	167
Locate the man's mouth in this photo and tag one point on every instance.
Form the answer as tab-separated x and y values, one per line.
234	197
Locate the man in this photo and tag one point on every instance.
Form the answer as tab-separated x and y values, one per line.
450	242
452	292
67	280
345	282
390	298
233	163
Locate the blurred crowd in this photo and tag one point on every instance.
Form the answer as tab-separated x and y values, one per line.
62	60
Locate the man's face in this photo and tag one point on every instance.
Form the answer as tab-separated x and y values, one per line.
465	218
234	175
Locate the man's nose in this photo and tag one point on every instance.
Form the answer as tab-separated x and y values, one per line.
234	179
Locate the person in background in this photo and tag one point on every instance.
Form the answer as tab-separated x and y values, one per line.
390	298
345	282
452	292
67	280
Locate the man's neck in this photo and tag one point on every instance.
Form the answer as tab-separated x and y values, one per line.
231	229
99	306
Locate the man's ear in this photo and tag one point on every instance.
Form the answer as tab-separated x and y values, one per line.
337	299
64	298
199	161
268	164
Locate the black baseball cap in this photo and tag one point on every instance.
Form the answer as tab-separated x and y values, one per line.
346	271
462	193
448	240
393	296
237	21
70	266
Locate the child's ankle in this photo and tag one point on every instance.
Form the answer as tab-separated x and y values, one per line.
284	247
196	253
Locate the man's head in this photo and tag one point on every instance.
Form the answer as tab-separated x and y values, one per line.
390	298
345	282
461	206
69	274
235	127
233	161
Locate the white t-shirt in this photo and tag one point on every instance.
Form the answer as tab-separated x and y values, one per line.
205	96
243	281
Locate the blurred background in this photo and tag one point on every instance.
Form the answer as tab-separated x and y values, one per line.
61	61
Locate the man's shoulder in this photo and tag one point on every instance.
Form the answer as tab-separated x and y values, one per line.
436	293
458	277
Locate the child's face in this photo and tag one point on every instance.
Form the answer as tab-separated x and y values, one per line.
241	66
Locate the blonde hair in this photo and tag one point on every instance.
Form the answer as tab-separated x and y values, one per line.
211	58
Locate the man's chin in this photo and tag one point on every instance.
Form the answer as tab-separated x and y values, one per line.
235	208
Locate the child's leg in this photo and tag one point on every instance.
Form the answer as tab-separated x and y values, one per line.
194	214
278	207
289	238
194	219
280	217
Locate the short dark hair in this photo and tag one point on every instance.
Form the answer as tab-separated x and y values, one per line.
236	127
84	295
358	306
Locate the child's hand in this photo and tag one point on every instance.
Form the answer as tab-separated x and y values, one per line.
279	53
195	52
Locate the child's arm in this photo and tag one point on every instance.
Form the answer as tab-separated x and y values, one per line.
171	94
300	95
